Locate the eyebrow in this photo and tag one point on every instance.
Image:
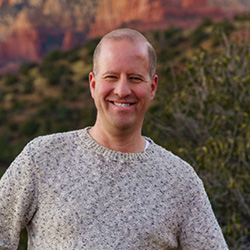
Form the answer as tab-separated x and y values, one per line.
109	72
129	74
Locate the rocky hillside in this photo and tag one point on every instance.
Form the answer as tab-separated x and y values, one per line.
29	29
152	15
230	5
201	111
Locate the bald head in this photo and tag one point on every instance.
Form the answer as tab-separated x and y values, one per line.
130	35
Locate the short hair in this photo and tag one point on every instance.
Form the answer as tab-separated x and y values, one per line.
130	35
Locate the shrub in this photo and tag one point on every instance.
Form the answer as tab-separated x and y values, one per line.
55	74
30	127
10	79
28	85
54	56
91	45
25	68
198	35
225	27
205	119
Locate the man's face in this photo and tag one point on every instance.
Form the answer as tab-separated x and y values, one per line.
122	88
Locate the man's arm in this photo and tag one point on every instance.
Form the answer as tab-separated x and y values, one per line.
200	229
17	199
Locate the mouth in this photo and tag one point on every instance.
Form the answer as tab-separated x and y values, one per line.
119	104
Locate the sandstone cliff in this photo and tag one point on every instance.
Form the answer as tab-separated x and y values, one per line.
230	5
194	3
112	14
31	28
6	2
24	41
150	14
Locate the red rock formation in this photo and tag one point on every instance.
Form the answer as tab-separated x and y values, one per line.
150	14
69	40
193	3
230	5
24	41
39	26
2	2
24	44
111	14
5	2
3	53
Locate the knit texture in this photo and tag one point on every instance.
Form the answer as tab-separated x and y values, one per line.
72	193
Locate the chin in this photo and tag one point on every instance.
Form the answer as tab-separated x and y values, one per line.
125	125
122	124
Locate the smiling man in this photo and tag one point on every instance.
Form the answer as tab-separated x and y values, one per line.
122	87
107	186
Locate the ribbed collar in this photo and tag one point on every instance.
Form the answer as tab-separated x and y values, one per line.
110	154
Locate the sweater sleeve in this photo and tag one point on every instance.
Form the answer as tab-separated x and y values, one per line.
200	229
18	198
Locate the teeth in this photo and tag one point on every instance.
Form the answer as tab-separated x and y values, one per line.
121	104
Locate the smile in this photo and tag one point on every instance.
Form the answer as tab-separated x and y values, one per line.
121	104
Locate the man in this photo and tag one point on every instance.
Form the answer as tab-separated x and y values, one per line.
107	186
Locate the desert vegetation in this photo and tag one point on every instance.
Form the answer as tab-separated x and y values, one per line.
201	111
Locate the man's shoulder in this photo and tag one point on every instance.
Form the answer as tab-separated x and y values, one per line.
55	140
162	153
172	163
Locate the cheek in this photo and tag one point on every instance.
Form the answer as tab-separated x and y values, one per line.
102	90
143	93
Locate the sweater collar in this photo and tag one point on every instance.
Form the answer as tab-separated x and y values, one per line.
110	154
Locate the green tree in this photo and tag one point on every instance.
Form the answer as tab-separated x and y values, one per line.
204	117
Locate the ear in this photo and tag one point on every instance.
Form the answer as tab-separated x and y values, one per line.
154	87
92	83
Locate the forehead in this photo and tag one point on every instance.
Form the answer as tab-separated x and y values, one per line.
123	51
123	41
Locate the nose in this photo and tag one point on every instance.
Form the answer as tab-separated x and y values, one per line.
122	88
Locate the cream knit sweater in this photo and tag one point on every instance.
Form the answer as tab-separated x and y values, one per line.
72	193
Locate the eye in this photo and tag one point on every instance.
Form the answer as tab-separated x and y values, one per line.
111	77
135	79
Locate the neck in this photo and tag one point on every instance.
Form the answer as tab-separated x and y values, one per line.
119	140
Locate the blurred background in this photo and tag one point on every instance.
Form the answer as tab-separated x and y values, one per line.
202	108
